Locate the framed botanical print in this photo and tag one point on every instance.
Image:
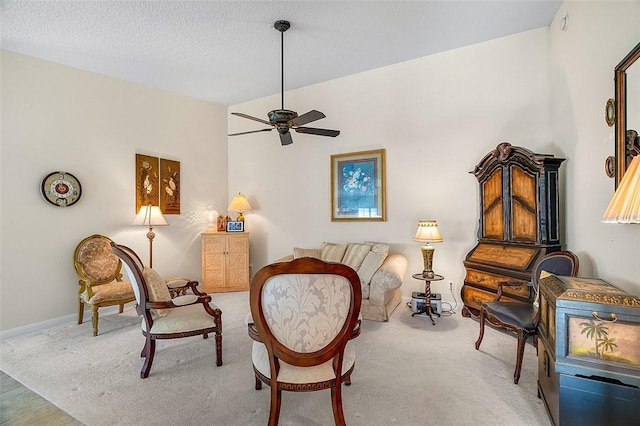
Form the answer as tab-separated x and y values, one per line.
169	186
358	186
147	181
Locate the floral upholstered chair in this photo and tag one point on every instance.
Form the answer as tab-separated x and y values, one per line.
100	278
303	314
165	317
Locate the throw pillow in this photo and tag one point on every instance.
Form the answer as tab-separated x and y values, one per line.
330	252
369	266
158	291
378	247
355	254
302	252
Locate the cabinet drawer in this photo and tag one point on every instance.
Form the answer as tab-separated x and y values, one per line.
587	401
473	297
490	281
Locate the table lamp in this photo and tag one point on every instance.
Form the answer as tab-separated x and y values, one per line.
239	204
150	216
211	216
625	204
428	233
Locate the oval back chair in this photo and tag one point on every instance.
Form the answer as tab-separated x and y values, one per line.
304	313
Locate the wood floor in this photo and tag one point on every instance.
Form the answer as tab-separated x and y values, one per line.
20	406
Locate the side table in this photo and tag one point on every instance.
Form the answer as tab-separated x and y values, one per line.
427	294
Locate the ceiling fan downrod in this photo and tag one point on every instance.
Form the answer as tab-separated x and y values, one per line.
282	26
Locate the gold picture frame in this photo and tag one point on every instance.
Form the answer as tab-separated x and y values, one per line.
170	186
147	181
358	186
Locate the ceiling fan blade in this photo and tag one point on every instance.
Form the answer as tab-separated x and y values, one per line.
285	138
308	117
239	114
314	131
250	131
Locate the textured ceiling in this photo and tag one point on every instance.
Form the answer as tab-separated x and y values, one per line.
228	52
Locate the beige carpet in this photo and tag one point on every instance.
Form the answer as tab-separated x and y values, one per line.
408	372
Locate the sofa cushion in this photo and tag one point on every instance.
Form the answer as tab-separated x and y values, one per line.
355	254
302	252
330	252
369	266
378	247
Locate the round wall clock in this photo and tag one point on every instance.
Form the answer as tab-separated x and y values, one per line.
61	189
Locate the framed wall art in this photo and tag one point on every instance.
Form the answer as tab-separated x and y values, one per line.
235	226
170	186
147	181
358	186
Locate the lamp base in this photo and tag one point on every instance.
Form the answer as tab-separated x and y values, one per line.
427	257
240	217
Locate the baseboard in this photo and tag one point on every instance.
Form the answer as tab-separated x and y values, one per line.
42	325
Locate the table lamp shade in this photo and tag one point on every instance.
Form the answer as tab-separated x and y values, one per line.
624	207
428	233
239	203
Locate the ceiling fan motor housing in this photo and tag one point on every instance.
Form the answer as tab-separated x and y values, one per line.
281	115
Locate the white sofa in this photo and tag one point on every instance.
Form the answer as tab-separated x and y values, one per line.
381	273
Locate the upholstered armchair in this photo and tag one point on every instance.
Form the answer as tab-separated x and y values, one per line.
100	278
303	314
167	317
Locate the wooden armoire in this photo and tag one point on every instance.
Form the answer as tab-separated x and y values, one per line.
519	223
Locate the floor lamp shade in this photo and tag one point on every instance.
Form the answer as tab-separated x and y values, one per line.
150	216
624	207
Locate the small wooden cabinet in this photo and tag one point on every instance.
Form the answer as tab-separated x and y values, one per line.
519	222
225	261
588	352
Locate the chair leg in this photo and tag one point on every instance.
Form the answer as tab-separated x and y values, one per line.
94	320
80	311
347	380
121	310
522	340
218	322
149	352
336	403
276	402
481	320
258	383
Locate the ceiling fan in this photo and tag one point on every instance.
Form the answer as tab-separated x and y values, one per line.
285	120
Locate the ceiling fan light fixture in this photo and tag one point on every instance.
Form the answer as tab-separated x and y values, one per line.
283	120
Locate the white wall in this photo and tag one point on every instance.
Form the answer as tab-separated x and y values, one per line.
436	117
600	34
59	118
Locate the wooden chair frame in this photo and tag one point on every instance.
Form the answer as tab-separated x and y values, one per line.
528	310
259	331
144	307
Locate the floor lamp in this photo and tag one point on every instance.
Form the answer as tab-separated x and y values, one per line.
150	216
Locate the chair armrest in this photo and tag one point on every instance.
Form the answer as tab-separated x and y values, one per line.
516	285
253	332
170	304
356	330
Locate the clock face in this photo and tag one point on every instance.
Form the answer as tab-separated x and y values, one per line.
61	189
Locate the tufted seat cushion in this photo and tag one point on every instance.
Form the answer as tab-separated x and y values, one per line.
112	291
523	314
182	319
